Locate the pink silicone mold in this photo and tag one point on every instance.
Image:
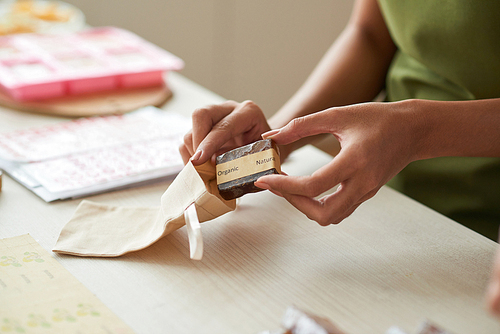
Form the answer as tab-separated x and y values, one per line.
42	66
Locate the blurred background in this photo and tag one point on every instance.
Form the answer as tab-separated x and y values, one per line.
260	50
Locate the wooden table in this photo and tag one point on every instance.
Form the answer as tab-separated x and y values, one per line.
393	262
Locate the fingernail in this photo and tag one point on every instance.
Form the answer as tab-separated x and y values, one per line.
196	156
262	185
270	133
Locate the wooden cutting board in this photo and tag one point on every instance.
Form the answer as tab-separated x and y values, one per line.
104	103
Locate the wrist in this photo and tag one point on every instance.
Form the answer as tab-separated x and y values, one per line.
418	126
447	128
423	128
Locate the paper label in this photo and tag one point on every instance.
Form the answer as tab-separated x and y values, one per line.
248	165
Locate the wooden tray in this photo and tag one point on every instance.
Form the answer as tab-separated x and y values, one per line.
105	103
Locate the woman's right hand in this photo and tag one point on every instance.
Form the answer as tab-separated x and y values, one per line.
220	128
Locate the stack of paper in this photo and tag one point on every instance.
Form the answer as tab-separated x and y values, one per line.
91	155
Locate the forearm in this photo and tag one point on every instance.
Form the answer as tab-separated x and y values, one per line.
352	71
456	128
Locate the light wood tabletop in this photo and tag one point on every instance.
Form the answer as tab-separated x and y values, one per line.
393	262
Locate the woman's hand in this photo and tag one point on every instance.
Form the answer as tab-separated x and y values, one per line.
493	291
220	128
377	141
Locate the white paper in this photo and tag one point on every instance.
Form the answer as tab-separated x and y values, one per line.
92	155
88	134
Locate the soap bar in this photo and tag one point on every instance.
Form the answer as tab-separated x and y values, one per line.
238	169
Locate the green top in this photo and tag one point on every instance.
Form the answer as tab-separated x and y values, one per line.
448	50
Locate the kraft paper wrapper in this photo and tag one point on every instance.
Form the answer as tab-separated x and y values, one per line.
110	231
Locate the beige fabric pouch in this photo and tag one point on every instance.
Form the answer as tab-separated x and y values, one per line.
110	231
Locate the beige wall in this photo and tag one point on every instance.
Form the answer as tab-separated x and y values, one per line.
254	49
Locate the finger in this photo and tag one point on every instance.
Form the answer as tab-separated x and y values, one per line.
188	142
300	127
231	144
493	290
333	208
369	195
349	195
184	153
315	210
325	178
246	119
347	213
205	118
493	297
276	193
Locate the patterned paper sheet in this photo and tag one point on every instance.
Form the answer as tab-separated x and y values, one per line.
92	152
87	134
100	166
37	295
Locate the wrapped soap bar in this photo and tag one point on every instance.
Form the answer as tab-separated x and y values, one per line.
296	321
238	169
